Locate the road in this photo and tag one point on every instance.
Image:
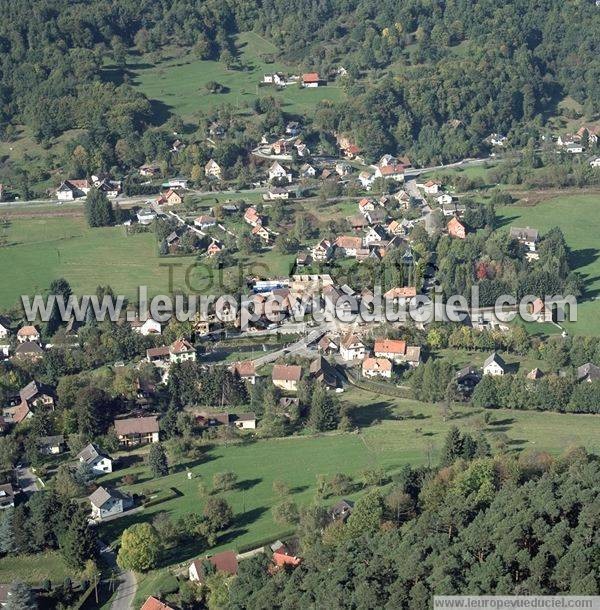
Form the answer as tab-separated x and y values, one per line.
126	582
298	347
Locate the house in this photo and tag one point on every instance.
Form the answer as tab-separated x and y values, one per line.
225	562
262	233
574	149
213	170
209	420
7	496
246	369
36	394
466	379
327	345
4	330
352	347
539	312
390	172
341	511
348	245
29	351
302	149
377	216
28	333
366	179
375	235
73	189
278	172
99	462
146	216
245	421
351	151
592	132
146	327
283	557
252	217
358	222
137	430
322	251
214	248
152	603
203	222
400	295
588	372
158	355
111	188
342	169
321	371
15	415
307	171
149	170
286	376
403	198
431	187
377	367
397	351
494	365
109	502
456	228
280	147
311	79
51	445
595	162
171	197
182	350
276	78
366	205
277	192
526	236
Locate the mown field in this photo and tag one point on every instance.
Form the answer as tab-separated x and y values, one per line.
578	216
385	441
178	84
49	565
41	249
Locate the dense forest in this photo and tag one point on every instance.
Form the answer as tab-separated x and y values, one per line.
491	526
431	79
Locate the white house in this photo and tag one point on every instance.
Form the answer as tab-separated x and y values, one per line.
72	189
205	221
444	199
277	192
308	171
595	162
574	148
430	187
352	347
212	169
99	462
375	235
3	331
286	376
106	503
147	327
278	172
494	365
526	236
146	216
366	179
245	421
27	334
322	251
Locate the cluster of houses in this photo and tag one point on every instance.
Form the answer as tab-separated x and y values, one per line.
278	79
72	189
575	143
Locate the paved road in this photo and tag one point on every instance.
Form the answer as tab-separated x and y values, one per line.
126	581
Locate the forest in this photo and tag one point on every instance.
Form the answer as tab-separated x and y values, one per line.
442	76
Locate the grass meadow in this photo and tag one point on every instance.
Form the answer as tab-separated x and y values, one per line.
393	432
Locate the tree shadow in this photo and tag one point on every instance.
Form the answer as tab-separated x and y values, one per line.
247	484
298	489
250	516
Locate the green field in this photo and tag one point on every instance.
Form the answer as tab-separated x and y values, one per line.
177	84
44	248
385	441
48	565
578	216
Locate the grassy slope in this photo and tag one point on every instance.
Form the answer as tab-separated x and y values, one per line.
48	565
178	84
385	442
579	218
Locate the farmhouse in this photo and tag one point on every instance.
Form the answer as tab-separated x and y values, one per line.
106	503
73	189
377	367
348	245
456	229
397	351
390	172
494	365
137	430
286	376
212	170
311	79
99	462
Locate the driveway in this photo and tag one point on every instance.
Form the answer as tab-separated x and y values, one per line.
26	479
126	583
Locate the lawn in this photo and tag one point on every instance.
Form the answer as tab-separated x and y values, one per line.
49	565
42	248
578	216
178	84
385	441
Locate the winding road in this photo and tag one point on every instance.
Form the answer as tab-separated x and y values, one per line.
126	588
